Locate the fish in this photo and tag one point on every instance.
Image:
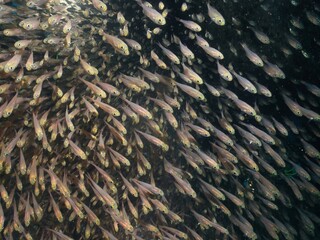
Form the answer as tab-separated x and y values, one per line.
191	91
152	14
186	51
245	83
88	68
244	107
30	24
100	6
154	140
273	70
252	56
12	63
158	120
215	16
138	109
224	73
133	44
294	107
212	52
169	54
190	25
192	75
119	45
261	36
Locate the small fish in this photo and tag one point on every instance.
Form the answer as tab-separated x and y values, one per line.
201	131
169	54
154	140
201	41
263	90
190	25
310	150
77	150
186	51
165	106
133	44
224	73
131	189
149	75
252	56
8	109
192	75
237	201
37	128
152	14
273	70
138	109
248	136
244	107
106	107
99	5
21	44
213	90
158	61
262	37
54	19
12	63
98	91
30	23
212	52
215	16
310	114
88	68
245	83
294	107
56	209
119	45
191	92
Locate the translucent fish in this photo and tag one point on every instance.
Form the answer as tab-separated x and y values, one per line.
99	5
12	63
190	25
215	16
152	14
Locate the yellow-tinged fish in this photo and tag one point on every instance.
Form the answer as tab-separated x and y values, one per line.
106	107
77	150
12	63
100	6
152	14
30	23
191	92
88	68
154	140
119	45
193	26
95	89
215	16
169	54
